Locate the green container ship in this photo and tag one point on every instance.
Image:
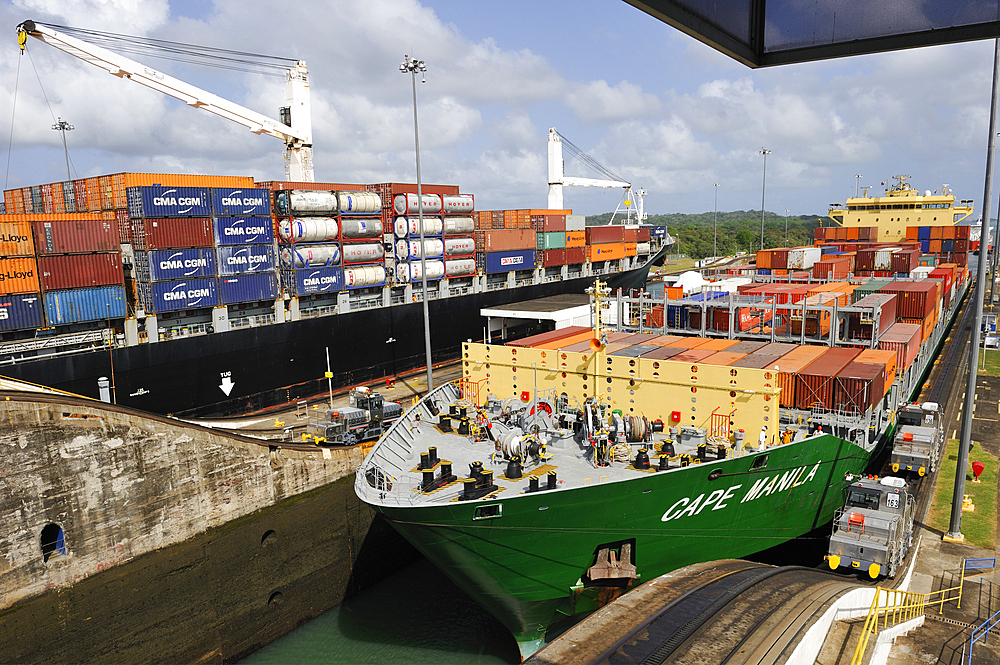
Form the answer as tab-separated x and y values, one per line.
555	476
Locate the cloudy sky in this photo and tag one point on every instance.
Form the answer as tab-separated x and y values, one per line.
659	108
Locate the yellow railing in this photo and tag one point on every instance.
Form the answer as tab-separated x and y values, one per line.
901	606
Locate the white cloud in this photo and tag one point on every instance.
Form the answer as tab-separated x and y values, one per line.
598	102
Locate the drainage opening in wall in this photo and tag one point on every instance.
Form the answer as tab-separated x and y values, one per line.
269	539
53	541
275	599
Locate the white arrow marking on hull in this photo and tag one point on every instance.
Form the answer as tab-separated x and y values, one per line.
227	386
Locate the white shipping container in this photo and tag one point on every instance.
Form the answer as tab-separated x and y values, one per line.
364	276
803	258
576	223
410	272
359	201
410	226
363	252
309	201
457	203
456	225
921	272
459	246
308	229
883	258
643	248
410	249
365	227
460	267
406	204
310	256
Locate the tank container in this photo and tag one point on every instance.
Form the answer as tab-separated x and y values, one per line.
406	204
243	230
166	264
459	225
460	267
313	280
411	272
352	228
183	294
245	259
308	229
363	252
158	201
643	248
310	256
407	250
305	202
359	202
79	271
16	239
247	288
406	227
76	236
21	312
79	305
457	203
358	277
241	202
459	246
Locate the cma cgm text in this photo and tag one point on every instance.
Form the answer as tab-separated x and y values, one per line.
16	274
191	294
187	263
244	260
319	281
240	231
171	201
242	202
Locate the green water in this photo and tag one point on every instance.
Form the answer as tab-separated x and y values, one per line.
415	616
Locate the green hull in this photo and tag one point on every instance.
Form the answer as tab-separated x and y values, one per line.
525	565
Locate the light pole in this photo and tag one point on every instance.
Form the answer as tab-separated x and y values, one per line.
715	242
786	227
763	184
63	127
411	66
857	183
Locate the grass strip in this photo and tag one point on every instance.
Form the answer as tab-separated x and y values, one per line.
979	526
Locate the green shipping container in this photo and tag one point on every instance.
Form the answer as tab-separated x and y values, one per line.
868	288
551	240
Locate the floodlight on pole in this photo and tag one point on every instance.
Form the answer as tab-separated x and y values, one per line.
62	126
857	183
763	184
411	66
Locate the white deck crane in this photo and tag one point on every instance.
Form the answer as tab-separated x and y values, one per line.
295	127
632	200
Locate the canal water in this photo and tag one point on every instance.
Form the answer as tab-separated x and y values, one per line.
415	616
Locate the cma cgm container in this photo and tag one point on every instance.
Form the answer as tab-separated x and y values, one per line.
78	236
79	305
184	294
242	230
499	262
166	264
175	233
247	288
79	271
158	201
312	281
245	259
21	312
15	239
229	202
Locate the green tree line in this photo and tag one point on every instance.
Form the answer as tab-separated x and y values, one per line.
738	230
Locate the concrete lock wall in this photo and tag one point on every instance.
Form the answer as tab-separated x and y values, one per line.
179	544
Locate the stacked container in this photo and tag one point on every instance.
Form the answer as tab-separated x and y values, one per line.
605	243
21	304
308	229
448	246
504	250
244	245
550	237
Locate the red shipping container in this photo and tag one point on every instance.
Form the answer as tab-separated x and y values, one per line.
124	226
554	223
814	383
75	236
860	325
554	257
693	355
832	268
576	255
80	195
906	260
904	339
779	258
597	235
179	233
962	232
858	387
915	300
644	234
631	235
79	271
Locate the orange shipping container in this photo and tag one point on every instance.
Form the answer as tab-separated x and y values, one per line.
58	203
609	251
717	344
576	238
884	358
723	358
16	239
93	194
19	275
631	248
789	365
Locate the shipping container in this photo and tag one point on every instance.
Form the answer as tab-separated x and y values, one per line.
662	353
16	239
362	252
240	202
309	256
455	247
576	255
185	294
832	268
313	280
548	222
244	259
79	271
913	299
576	222
247	288
360	277
500	262
454	226
746	347
155	201
803	258
174	233
605	234
886	359
576	239
76	236
409	227
693	355
243	230
550	336
19	275
80	305
814	383
789	366
858	387
860	325
723	358
21	312
551	241
554	257
460	267
606	251
167	264
504	240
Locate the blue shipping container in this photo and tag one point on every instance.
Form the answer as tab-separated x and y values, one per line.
948	245
314	280
159	201
925	246
239	260
243	230
167	264
522	259
230	201
21	312
185	294
79	305
248	288
763	271
923	233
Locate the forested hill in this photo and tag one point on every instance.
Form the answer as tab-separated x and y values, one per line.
738	230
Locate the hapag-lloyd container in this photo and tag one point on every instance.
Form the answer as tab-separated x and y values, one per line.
183	294
247	288
606	252
576	239
245	259
412	272
309	229
76	236
499	262
165	264
406	227
16	239
239	202
814	382
79	271
19	275
313	280
362	252
79	305
858	387
174	233
243	230
21	312
159	201
310	256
